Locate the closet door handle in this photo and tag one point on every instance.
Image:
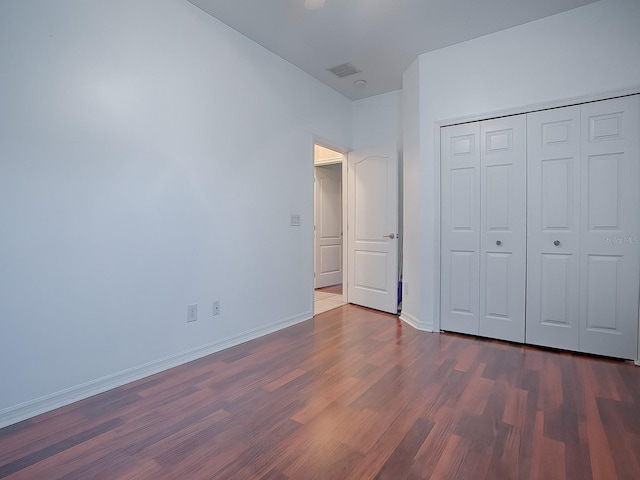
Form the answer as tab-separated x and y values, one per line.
391	236
557	243
498	243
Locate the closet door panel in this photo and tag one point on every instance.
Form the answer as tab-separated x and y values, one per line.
503	228
460	223
497	271
610	233
553	227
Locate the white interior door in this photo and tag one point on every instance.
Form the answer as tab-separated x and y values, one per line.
373	228
460	228
503	226
553	227
328	225
610	227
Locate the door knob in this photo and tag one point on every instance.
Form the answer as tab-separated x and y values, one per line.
498	242
557	243
391	236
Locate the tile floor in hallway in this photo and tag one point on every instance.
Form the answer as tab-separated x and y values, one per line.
327	299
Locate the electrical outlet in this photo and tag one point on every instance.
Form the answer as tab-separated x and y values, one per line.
192	312
216	307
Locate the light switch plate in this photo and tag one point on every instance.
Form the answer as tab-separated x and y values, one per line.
192	312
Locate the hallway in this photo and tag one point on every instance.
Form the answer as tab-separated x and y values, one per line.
327	298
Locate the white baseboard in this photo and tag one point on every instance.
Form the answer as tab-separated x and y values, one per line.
415	323
637	363
23	411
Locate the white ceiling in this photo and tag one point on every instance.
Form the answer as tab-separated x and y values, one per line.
381	37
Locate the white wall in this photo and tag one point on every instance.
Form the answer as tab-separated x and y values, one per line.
581	52
149	158
377	120
412	188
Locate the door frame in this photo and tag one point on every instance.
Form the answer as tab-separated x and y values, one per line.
565	102
323	142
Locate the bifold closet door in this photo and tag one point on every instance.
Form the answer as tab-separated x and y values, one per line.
553	227
483	219
583	252
503	211
460	228
610	227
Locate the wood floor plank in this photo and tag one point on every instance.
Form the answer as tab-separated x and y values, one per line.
618	431
353	394
449	465
515	407
547	455
399	464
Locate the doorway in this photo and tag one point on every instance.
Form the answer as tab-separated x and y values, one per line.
328	229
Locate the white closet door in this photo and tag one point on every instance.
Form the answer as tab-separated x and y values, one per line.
460	227
503	228
610	227
553	227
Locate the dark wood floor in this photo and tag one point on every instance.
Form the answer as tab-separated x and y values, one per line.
353	394
336	289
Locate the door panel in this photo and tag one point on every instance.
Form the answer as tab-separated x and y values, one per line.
371	271
558	185
610	234
328	226
604	183
496	282
460	224
603	280
503	228
553	213
373	228
330	264
460	288
462	199
556	285
496	195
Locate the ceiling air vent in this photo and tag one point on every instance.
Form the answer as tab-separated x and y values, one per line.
344	70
